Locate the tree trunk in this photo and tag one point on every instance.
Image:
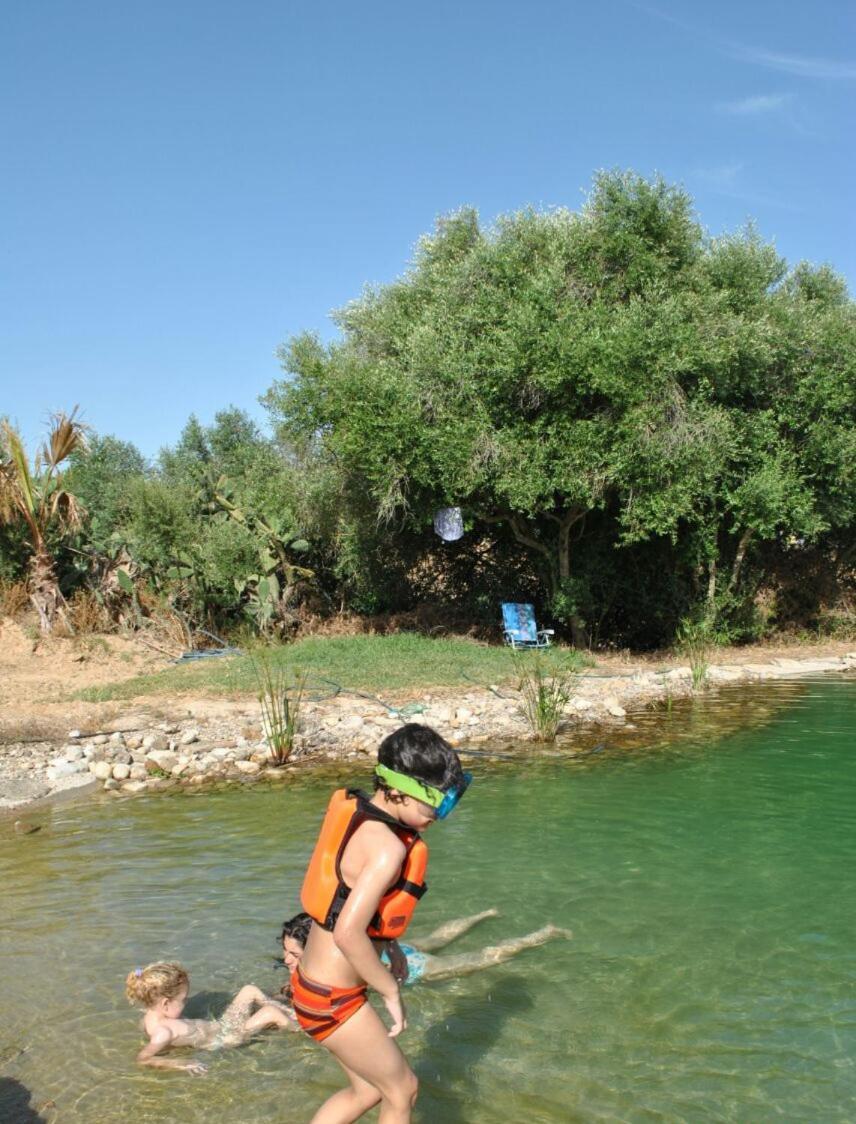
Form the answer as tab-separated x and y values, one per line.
45	593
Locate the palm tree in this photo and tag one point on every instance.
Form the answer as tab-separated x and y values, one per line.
38	498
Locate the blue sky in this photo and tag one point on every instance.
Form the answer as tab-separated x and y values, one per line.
187	184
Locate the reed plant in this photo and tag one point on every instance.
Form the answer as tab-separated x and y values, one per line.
696	640
280	694
545	691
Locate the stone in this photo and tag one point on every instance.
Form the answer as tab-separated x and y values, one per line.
100	739
614	707
79	780
73	752
157	742
351	722
138	773
110	785
121	771
117	738
179	769
189	737
101	770
163	759
20	790
135	786
463	714
61	768
126	723
249	768
133	741
72	734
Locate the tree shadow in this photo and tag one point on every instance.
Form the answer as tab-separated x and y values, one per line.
15	1107
444	1086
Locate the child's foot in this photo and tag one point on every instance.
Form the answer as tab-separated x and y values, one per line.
553	932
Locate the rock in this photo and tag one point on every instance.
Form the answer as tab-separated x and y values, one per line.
138	773
163	759
72	734
351	722
189	737
101	770
679	673
249	768
135	786
73	752
100	739
179	769
61	768
120	756
126	723
156	742
133	741
20	790
614	707
121	771
79	780
24	827
463	714
110	785
117	738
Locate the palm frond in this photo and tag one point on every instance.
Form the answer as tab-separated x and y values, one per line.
68	435
67	508
20	477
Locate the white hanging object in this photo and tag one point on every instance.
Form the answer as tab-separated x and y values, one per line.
449	523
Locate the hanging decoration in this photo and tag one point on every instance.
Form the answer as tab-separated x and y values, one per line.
449	523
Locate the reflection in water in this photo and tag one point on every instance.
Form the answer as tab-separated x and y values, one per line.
705	862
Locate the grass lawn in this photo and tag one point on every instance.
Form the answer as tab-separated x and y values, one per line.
376	664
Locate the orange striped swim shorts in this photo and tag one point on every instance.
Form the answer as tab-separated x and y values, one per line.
321	1009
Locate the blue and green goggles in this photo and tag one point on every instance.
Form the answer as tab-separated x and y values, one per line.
442	802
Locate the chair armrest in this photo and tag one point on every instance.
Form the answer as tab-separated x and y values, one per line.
546	632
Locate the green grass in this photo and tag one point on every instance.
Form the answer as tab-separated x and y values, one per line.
375	664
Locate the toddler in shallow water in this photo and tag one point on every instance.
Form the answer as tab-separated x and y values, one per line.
162	990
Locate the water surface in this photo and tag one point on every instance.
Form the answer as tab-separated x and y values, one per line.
706	862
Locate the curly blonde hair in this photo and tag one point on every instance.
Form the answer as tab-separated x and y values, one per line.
162	980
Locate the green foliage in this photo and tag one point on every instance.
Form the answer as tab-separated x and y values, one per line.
545	692
280	694
614	370
696	639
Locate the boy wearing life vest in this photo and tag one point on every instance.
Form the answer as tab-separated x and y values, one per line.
366	875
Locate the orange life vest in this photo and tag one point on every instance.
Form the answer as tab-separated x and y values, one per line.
324	891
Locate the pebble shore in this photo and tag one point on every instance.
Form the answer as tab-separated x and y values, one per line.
214	741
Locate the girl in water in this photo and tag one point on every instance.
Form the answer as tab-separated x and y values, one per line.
365	877
410	963
162	989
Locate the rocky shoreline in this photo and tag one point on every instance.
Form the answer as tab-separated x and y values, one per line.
217	741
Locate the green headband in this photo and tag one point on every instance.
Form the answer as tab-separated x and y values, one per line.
410	786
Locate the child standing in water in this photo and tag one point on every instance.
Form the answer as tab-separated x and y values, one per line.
162	988
364	879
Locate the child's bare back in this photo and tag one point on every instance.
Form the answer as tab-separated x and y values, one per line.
162	989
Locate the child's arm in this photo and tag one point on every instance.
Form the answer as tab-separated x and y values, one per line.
380	870
160	1040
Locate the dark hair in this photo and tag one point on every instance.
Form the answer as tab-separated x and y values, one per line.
297	928
421	753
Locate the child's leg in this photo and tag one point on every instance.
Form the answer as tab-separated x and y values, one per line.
377	1071
266	1016
243	1003
451	930
441	967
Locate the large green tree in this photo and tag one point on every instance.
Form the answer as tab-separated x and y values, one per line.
614	362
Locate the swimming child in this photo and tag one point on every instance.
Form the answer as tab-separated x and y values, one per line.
366	875
162	988
410	963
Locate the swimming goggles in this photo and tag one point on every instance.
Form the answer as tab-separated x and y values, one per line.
442	802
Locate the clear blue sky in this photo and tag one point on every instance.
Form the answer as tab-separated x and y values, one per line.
186	184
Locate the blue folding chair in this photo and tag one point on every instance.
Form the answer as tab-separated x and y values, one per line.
519	628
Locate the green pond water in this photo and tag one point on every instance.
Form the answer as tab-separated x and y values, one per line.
706	862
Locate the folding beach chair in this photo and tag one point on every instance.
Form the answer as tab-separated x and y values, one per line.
519	628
